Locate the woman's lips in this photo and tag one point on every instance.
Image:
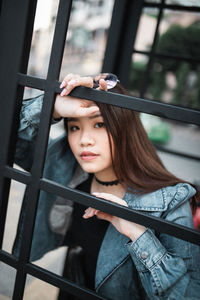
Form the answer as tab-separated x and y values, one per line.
86	155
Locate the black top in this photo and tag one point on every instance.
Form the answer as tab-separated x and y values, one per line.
87	233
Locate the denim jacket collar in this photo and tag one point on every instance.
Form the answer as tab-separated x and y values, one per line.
163	200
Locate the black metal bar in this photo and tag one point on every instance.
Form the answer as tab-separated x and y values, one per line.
177	153
121	38
16	74
39	84
114	37
145	219
18	175
31	81
1	1
9	106
164	110
61	283
128	40
18	14
173	7
152	52
168	56
8	259
42	141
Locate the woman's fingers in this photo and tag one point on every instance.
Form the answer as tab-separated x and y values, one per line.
68	78
72	80
111	197
87	111
90	212
102	85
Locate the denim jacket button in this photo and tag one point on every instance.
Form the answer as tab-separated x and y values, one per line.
144	255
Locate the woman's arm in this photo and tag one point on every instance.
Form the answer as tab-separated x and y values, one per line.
168	267
65	106
27	132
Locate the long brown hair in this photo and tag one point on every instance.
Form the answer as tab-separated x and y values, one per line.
135	161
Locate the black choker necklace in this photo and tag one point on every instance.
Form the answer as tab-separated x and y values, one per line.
107	183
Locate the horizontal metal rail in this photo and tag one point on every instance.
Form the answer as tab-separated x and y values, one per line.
8	259
126	213
61	283
168	56
177	153
172	7
165	110
18	175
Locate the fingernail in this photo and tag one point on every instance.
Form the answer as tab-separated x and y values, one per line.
96	194
62	84
63	92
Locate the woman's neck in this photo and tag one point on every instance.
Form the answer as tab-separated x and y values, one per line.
117	190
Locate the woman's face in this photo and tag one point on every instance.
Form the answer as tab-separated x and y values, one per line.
89	142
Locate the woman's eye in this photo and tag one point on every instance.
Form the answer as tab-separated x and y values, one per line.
99	125
73	128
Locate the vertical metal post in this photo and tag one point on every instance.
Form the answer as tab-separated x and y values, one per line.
42	142
121	39
152	53
10	65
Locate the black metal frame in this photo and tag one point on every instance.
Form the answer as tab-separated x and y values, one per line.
120	48
14	53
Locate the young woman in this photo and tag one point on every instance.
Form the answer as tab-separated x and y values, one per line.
114	160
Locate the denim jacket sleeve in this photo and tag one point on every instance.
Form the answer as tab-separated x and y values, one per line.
168	266
27	133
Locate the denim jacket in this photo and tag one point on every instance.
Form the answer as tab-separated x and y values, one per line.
152	267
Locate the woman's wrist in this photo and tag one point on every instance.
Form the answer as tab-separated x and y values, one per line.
136	232
56	115
58	107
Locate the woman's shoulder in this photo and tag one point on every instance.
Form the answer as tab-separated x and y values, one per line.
162	199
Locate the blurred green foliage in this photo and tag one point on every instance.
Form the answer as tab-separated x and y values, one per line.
183	42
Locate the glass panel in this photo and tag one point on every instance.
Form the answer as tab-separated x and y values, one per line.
31	93
57	128
146	29
186	140
42	37
28	127
53	261
86	37
38	289
137	71
179	34
175	82
7	281
184	2
14	207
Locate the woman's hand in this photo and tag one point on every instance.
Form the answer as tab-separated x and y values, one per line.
66	106
128	228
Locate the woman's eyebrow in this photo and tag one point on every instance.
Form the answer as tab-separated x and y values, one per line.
95	116
77	119
72	120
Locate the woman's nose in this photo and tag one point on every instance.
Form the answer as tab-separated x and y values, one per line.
86	140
